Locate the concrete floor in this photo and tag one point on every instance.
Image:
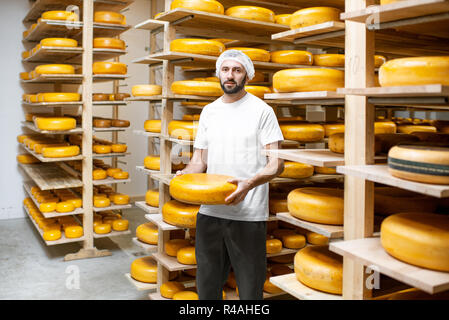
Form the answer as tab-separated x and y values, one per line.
31	270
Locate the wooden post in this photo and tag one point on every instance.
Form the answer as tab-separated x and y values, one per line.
359	146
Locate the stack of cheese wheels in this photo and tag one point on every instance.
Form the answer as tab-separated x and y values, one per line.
296	170
198	46
182	129
54	69
148	233
146	90
199	88
421	239
320	269
320	205
109	43
389	200
105	67
144	270
152	125
258	91
283	19
251	13
201	188
170	288
292	57
310	79
315	15
55	123
425	164
415	71
302	132
180	214
58	97
109	17
329	60
211	6
254	54
60	15
404	128
59	42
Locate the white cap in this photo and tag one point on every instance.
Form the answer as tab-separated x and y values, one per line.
238	56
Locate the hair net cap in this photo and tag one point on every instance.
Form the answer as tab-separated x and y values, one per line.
238	56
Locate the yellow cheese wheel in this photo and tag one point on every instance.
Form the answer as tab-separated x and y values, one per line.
121	175
320	205
274	246
336	142
254	54
144	270
293	241
277	205
104	67
421	239
258	91
332	128
310	79
324	170
47	206
55	123
296	170
25	76
251	13
27	159
185	295
152	197
109	17
64	206
148	233
302	132
58	97
201	188
110	171
102	228
211	6
415	128
169	288
320	269
152	126
60	15
77	202
172	246
198	46
379	60
329	60
199	88
419	163
58	42
60	152
191	117
292	57
109	43
102	202
383	2
180	214
54	69
120	225
283	19
52	235
119	148
384	127
182	129
152	162
146	90
316	238
120	199
102	148
73	232
186	255
270	287
314	15
415	71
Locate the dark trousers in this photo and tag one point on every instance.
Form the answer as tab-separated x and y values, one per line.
222	243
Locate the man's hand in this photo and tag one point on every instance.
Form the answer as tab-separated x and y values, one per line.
179	173
243	186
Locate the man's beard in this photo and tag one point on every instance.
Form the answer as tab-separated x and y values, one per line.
237	88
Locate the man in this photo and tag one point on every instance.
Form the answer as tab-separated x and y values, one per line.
232	131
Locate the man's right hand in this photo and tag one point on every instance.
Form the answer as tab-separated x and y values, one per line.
179	172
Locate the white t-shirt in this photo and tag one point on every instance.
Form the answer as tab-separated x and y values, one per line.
235	134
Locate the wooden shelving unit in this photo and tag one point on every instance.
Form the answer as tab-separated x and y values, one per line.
55	173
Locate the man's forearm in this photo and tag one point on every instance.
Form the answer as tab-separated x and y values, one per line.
270	171
194	168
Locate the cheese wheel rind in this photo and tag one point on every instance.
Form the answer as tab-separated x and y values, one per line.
197	46
211	6
313	15
251	13
308	79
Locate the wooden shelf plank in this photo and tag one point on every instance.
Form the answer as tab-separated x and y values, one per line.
146	171
149	248
30	125
145	98
431	90
370	252
43	159
315	157
113	207
109	129
162	177
147	134
328	28
397	11
52	54
330	231
380	174
74	103
178	141
171	263
290	96
291	285
314	178
111	154
148	209
48	176
109	180
141	286
110	103
284	251
111	234
157	220
50	78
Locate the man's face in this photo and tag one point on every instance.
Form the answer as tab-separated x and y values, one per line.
232	76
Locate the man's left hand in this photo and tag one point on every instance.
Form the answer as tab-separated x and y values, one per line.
243	186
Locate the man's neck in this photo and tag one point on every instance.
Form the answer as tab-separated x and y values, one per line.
231	98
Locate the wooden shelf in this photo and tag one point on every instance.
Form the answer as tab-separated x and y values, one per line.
163	177
369	251
289	5
108	155
110	103
284	251
157	220
62	240
51	78
147	134
148	209
30	125
171	263
180	97
43	159
314	178
95	129
291	285
315	157
330	231
146	171
71	55
27	186
111	234
149	248
49	176
113	207
325	30
145	98
72	104
311	97
109	180
179	141
380	174
141	286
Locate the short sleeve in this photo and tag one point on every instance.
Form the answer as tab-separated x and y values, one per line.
269	128
201	133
